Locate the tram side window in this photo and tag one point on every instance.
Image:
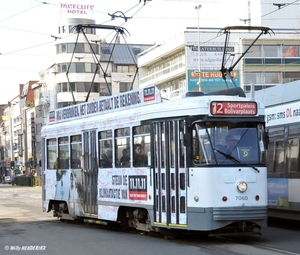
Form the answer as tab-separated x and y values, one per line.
63	152
51	154
270	156
275	154
279	156
141	140
196	147
176	144
201	149
181	159
105	149
122	147
292	154
172	147
76	151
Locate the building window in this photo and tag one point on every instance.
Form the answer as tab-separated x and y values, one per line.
79	48
272	61
64	87
81	87
63	48
272	77
122	69
290	76
72	68
290	51
96	87
271	51
254	52
72	86
78	87
253	77
88	67
253	61
63	67
80	68
70	47
124	86
76	67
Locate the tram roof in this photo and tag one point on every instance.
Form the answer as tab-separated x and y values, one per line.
136	106
279	94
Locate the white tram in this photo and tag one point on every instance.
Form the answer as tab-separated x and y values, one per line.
282	104
184	179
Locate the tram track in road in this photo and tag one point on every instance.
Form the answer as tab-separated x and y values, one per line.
234	245
250	246
29	198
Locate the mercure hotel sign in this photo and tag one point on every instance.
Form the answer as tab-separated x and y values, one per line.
77	8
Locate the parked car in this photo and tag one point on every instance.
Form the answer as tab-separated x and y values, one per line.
7	180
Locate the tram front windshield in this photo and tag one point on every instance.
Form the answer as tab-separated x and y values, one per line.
224	143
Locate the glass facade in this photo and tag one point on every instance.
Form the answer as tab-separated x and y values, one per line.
269	64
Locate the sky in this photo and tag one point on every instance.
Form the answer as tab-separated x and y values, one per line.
27	28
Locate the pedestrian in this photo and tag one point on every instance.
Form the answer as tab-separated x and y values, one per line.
12	177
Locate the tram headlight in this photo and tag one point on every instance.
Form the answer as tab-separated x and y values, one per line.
242	186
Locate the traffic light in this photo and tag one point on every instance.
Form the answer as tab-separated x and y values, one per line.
12	165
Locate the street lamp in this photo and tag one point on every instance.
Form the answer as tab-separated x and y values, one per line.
198	7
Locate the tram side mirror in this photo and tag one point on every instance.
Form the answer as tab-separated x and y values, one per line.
187	139
149	158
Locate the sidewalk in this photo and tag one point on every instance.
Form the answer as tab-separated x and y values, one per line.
21	203
7	190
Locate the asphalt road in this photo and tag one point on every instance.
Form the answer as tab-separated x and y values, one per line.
25	229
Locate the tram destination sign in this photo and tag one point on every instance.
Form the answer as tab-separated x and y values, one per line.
225	108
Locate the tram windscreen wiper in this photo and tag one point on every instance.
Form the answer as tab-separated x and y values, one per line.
228	156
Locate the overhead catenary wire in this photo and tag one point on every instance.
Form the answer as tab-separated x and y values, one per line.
105	22
276	10
96	11
43	3
21	12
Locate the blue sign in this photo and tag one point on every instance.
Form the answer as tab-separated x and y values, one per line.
211	80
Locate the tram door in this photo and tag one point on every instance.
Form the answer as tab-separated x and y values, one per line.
90	168
170	173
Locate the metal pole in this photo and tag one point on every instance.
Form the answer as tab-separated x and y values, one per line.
198	7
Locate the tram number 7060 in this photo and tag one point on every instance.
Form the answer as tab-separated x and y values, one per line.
241	197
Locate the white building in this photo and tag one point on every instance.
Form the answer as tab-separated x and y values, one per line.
274	59
74	76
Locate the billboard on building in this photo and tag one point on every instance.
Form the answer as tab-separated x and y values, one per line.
210	80
209	60
211	56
